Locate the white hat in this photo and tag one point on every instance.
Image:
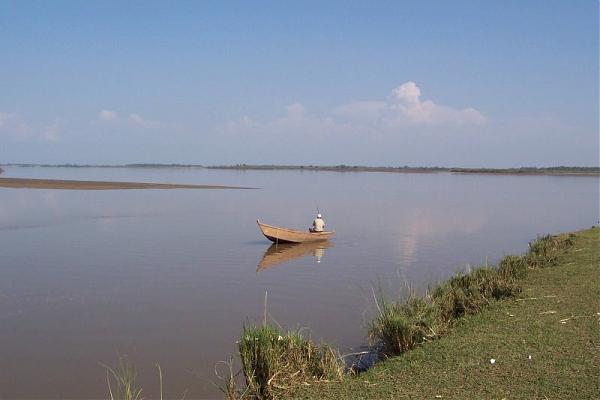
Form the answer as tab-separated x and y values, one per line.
319	215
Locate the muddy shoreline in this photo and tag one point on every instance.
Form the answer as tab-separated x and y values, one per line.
26	183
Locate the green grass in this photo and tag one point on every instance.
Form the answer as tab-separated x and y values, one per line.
122	383
402	325
274	361
544	304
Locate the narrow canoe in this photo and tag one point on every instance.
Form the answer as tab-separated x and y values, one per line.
284	235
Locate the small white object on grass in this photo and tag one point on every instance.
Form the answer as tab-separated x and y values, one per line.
492	361
530	356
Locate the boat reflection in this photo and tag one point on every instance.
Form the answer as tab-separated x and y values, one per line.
280	253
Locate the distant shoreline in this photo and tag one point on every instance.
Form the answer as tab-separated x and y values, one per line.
24	183
577	171
560	170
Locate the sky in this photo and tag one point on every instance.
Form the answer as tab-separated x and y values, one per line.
432	83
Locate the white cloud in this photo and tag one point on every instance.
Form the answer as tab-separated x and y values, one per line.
135	119
296	122
295	111
108	116
139	121
408	93
13	124
132	120
361	110
406	106
52	131
401	111
16	127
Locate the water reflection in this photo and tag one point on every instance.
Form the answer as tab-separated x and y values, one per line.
280	253
422	226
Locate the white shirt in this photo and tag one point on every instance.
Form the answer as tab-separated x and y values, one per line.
318	225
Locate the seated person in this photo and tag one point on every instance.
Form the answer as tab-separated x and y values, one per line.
318	224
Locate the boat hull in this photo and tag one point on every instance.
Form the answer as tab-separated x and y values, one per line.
283	235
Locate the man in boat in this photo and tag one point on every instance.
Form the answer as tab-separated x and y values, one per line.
318	224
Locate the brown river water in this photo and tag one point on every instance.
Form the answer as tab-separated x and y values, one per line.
171	276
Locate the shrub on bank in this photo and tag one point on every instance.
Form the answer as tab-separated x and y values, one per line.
544	252
513	267
399	326
468	293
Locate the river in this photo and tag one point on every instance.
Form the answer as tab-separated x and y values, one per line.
170	276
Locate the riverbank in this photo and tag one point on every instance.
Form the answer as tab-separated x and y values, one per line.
544	343
25	183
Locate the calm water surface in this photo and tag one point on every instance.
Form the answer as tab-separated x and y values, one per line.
170	276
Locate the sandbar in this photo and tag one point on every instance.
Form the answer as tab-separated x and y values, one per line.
26	183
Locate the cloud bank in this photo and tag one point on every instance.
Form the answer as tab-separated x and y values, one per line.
402	110
405	105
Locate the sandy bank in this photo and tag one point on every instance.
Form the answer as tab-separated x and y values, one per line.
25	183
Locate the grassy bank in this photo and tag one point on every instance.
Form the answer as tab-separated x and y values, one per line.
529	328
555	319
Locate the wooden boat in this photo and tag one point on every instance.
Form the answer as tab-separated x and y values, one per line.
284	235
281	253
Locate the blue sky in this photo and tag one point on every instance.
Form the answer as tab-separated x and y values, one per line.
463	83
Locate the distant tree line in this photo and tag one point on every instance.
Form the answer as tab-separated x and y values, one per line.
341	167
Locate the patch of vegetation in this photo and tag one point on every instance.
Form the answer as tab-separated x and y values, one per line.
400	326
122	384
545	252
274	361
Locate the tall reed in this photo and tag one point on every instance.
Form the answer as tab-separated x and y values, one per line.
400	326
121	382
274	360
